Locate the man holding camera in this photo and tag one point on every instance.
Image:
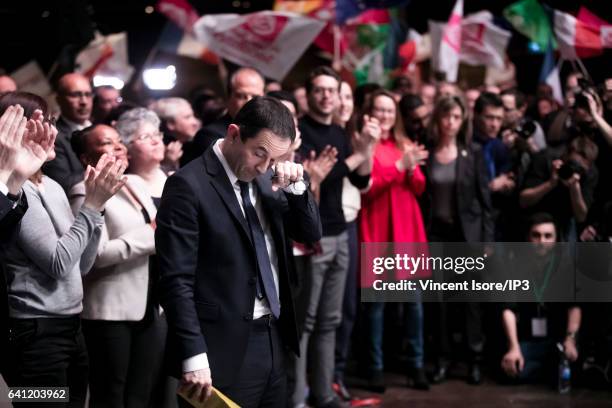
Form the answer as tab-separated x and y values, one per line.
563	187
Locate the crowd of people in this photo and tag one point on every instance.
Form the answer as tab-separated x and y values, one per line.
206	243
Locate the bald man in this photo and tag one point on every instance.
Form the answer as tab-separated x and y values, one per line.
7	84
244	84
75	99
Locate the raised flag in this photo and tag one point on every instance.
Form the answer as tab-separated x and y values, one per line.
549	73
180	12
105	56
346	9
583	36
446	43
269	41
530	19
177	35
482	42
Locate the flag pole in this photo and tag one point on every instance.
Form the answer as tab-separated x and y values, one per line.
584	70
336	63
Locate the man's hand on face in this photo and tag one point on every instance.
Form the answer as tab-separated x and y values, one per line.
286	173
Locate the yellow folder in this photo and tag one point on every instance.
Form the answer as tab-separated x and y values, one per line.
216	400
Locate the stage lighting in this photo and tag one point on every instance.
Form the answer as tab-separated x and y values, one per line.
160	79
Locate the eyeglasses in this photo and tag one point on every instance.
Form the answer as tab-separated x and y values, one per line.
320	90
147	136
79	95
383	111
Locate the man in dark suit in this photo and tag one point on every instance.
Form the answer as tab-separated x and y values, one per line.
222	239
75	99
244	84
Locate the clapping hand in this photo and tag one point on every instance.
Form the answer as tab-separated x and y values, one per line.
24	146
414	154
318	167
370	133
103	181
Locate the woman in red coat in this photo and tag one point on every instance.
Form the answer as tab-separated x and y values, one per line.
390	213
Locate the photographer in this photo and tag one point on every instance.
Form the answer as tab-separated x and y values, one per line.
564	188
516	126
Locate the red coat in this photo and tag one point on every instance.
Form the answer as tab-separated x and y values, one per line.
389	209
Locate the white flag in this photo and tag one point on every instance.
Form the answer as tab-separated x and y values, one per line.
107	56
446	43
482	42
270	41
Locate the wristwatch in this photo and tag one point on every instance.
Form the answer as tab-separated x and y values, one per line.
571	335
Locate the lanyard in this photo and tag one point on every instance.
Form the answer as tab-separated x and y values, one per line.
539	292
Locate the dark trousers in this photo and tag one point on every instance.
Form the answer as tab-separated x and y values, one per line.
349	303
468	315
47	352
262	380
469	318
125	361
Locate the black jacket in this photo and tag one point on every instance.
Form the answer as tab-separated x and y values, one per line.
208	266
473	199
66	168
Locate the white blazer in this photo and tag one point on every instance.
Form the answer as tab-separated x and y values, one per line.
116	288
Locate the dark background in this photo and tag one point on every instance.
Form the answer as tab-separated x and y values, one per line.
54	31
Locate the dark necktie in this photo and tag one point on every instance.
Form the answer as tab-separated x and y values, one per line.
263	260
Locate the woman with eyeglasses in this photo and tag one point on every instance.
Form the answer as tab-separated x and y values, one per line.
390	213
456	208
124	330
44	266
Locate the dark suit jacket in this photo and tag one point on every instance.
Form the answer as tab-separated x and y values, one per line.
204	139
66	168
208	266
472	195
9	224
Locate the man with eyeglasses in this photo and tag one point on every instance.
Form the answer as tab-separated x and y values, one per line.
75	99
320	298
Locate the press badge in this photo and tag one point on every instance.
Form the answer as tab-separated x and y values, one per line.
538	327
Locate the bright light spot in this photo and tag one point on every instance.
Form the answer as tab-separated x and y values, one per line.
100	80
160	79
149	9
534	47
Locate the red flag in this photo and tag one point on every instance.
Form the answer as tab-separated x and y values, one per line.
180	12
588	34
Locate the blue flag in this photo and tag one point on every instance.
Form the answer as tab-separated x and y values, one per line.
346	9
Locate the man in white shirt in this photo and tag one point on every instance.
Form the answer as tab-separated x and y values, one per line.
222	241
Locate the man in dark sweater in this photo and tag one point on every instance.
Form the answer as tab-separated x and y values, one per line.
533	328
321	295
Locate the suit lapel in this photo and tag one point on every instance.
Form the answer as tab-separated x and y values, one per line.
223	187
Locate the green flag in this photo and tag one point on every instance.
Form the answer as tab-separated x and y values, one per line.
530	19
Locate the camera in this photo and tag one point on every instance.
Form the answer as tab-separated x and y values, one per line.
526	129
568	169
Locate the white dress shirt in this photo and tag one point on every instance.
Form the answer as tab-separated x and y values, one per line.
261	306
